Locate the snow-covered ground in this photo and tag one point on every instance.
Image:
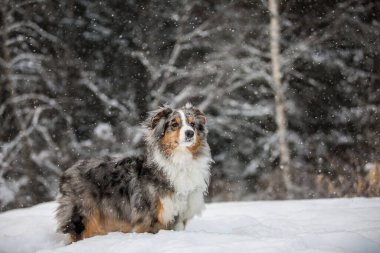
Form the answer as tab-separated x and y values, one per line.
331	225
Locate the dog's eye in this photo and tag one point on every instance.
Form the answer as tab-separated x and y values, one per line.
175	125
192	124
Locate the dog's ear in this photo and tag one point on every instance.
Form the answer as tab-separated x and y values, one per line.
156	119
159	115
199	115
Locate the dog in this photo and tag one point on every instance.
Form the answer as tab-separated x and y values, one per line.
161	189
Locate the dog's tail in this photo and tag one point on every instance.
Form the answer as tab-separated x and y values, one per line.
70	220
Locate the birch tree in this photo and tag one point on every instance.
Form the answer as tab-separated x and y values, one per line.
278	88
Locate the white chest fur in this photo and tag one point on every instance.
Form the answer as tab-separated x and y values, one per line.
185	173
183	207
189	178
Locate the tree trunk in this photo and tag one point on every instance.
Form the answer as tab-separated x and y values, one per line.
6	89
4	54
279	93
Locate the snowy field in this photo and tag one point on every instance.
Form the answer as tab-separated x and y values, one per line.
332	225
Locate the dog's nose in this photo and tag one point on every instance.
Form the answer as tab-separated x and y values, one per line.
189	133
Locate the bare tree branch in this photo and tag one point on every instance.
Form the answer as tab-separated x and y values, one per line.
29	24
29	2
111	102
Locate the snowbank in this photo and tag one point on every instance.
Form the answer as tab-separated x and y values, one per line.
333	225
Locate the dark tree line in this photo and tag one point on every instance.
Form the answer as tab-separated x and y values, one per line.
77	77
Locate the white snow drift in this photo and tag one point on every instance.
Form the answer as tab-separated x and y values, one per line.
333	225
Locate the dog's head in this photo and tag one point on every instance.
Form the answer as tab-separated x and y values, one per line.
171	129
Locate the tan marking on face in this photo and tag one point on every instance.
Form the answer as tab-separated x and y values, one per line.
170	142
177	119
190	120
196	146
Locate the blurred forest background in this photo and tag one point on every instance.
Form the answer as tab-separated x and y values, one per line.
78	76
